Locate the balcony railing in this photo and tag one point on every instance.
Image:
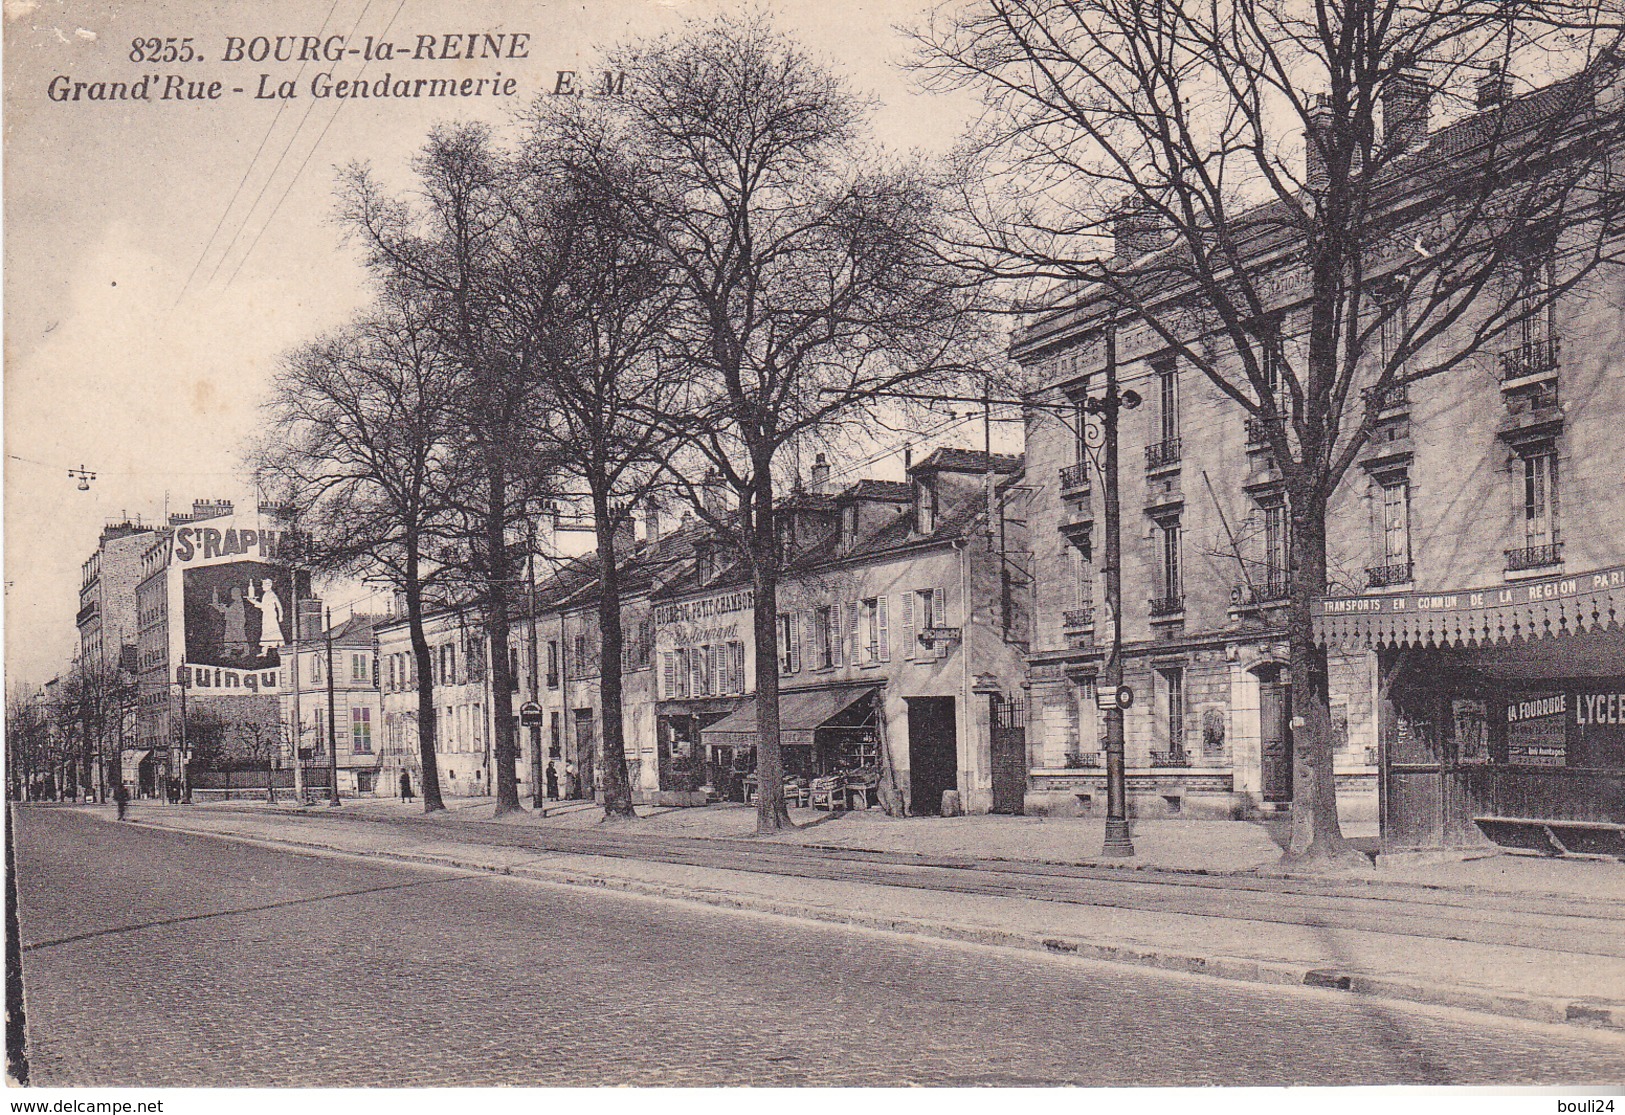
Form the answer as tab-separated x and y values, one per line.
1396	396
87	613
1084	760
1167	605
1386	576
1258	431
1535	557
1075	478
1161	453
1174	758
1531	358
1078	617
1261	592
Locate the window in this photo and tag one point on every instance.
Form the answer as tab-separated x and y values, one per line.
1083	579
513	668
925	505
360	668
1542	542
930	610
1277	545
1170	592
1396	521
361	731
876	636
736	666
1393	320
789	649
1167	373
553	663
555	737
1080	427
393	676
1171	708
822	647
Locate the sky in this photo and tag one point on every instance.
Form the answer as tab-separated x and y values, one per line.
160	255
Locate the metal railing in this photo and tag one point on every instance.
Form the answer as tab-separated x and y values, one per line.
1530	358
1161	453
1078	617
1084	760
1172	758
1386	576
1075	478
1534	557
1258	431
1167	605
1261	592
1392	397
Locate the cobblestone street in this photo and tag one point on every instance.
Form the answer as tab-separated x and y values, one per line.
158	958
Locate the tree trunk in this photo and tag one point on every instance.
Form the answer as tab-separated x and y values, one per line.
772	815
1317	834
430	778
617	781
498	578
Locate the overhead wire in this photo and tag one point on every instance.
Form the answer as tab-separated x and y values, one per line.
247	171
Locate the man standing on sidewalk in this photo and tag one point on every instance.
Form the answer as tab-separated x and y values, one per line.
121	798
406	786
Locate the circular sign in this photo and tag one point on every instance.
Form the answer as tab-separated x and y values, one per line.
1125	696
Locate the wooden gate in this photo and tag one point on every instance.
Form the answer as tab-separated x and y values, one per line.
1008	721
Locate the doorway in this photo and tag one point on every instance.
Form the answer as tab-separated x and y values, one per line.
586	751
1275	733
933	753
1007	723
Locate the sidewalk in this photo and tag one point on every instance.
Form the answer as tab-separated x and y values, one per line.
1545	977
1208	847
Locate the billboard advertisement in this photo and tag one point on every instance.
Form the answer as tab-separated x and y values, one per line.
236	600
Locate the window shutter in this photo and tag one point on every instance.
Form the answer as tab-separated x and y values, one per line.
883	629
809	638
939	618
836	635
794	640
908	624
852	632
666	678
739	662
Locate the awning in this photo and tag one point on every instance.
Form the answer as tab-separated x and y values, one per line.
1547	608
801	712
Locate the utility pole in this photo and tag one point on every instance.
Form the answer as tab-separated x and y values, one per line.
293	676
186	754
1108	407
332	719
537	781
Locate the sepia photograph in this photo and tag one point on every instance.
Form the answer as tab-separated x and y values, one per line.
774	544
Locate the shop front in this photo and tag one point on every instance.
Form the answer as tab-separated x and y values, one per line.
1501	712
823	733
678	749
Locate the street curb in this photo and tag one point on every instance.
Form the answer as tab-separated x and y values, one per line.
1587	1013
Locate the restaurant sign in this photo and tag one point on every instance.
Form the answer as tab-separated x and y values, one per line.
1526	610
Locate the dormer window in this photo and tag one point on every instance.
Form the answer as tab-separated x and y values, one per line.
925	505
849	526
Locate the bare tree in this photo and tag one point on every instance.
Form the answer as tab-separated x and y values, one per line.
1285	224
447	249
361	422
808	284
596	335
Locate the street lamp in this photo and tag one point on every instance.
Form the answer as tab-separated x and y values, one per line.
1107	407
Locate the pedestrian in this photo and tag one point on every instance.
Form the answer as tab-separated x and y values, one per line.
406	786
121	798
552	782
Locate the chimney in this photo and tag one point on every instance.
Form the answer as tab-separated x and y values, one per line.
651	523
1493	88
1315	175
908	457
713	496
820	475
626	537
1137	230
1406	106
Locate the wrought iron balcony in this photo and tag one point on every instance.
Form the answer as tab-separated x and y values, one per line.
1396	396
1075	479
1162	453
1386	576
1535	557
1258	431
1530	358
1172	758
1276	588
1078	617
1167	605
87	613
1084	760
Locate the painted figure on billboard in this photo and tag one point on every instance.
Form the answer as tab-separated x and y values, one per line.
235	614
